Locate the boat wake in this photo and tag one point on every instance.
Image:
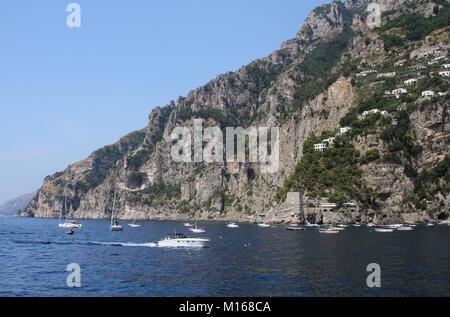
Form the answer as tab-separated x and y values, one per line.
126	244
115	244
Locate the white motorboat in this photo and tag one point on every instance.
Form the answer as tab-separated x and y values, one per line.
71	224
384	229
356	225
328	230
179	240
232	225
394	226
263	225
430	225
405	228
311	224
187	224
370	225
342	226
114	226
197	229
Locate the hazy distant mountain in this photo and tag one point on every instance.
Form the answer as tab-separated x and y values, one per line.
11	207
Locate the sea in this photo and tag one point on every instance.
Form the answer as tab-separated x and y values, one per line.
37	258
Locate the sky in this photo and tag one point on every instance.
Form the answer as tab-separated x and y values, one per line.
65	92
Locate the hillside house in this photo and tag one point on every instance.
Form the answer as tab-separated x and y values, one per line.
411	81
320	146
445	73
427	93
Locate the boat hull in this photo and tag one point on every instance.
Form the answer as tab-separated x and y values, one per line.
69	225
183	243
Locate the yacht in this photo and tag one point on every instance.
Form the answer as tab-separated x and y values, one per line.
232	225
328	230
405	228
114	226
197	229
69	223
383	229
178	240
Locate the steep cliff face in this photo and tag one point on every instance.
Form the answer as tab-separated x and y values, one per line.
304	88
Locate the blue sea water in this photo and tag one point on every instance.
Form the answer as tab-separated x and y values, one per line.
249	261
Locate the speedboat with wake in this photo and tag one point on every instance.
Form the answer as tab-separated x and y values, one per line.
179	240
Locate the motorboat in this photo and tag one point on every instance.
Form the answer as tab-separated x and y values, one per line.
383	229
394	226
356	225
328	230
295	228
430	224
70	224
70	231
263	225
405	228
179	240
370	225
342	226
187	224
311	225
232	225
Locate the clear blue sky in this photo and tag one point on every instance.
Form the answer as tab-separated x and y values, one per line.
66	92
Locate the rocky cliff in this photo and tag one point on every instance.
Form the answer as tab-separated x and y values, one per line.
308	87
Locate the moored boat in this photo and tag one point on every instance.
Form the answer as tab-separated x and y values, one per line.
232	225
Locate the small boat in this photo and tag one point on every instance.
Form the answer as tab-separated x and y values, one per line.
332	228
70	232
295	228
356	225
179	240
370	225
197	229
342	226
263	225
311	225
394	226
134	225
114	226
328	230
187	224
430	224
383	229
232	225
68	223
405	228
